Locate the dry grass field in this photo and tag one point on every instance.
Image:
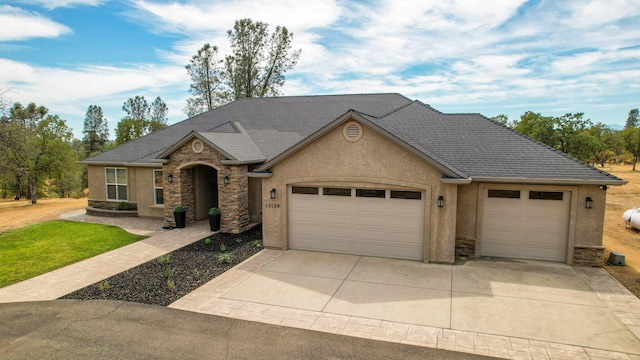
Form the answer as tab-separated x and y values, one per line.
617	237
16	214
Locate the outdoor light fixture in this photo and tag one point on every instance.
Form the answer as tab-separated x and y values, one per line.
272	193
225	180
170	178
589	203
604	187
440	201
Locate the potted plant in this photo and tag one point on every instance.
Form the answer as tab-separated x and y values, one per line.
214	219
180	215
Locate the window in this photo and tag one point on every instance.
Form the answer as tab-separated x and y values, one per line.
545	195
307	190
370	193
116	180
336	192
158	191
504	194
409	195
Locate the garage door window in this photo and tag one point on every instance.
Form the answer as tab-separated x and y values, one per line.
546	195
408	195
504	194
336	192
306	190
370	193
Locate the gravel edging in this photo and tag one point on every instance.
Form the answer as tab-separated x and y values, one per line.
188	268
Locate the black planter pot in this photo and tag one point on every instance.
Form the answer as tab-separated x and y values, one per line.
214	222
181	219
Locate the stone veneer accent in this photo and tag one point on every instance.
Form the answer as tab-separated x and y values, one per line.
585	255
465	247
233	198
111	213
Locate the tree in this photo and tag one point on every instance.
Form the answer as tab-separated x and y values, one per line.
633	119
631	136
141	118
255	68
158	115
573	138
608	143
538	127
95	130
258	61
37	146
205	70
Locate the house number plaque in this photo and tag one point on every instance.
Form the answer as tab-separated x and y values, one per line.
272	206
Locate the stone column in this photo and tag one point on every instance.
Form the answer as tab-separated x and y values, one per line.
234	199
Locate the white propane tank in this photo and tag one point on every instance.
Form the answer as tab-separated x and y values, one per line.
632	217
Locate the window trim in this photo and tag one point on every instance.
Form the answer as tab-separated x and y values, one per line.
116	184
155	188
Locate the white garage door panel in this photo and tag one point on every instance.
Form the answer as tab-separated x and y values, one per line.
382	227
526	228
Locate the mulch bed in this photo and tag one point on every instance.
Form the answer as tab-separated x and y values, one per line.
188	268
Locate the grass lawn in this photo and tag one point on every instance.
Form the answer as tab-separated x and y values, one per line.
40	248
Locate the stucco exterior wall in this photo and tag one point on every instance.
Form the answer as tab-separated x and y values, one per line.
145	192
371	162
255	199
97	184
466	219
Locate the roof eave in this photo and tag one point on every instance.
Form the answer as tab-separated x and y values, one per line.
120	163
549	181
242	162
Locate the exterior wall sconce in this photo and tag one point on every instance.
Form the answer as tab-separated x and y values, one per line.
440	201
170	178
589	203
272	193
225	180
604	187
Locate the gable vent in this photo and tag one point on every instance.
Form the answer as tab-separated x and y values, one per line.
197	146
352	131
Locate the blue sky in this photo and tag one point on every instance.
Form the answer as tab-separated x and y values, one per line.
491	57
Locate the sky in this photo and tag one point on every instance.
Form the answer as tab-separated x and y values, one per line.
460	56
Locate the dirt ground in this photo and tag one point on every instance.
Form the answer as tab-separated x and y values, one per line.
617	237
16	214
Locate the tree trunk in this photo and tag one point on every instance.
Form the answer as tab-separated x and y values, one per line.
635	159
32	190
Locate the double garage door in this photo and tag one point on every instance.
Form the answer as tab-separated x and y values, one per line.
373	222
526	224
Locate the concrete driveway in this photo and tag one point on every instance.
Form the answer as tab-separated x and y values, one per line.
483	306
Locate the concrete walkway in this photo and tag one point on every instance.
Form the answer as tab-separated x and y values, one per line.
60	282
515	310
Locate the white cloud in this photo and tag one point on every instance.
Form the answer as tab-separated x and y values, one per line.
52	4
18	24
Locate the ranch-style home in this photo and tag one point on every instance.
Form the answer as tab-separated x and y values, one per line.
374	174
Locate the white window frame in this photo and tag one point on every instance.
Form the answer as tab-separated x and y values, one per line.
156	187
116	184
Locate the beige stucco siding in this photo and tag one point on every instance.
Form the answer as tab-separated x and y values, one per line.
466	215
371	162
144	192
590	225
139	188
97	185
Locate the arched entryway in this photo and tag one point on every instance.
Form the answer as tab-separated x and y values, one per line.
205	190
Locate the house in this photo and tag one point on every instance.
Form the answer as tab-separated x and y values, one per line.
377	174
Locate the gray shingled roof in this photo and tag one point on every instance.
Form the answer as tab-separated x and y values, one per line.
470	145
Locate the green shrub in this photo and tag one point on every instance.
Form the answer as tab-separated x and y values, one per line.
257	244
223	247
171	285
168	272
226	258
207	241
179	209
123	205
238	240
104	285
214	211
164	259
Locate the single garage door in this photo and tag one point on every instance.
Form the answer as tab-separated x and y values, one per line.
526	224
373	222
